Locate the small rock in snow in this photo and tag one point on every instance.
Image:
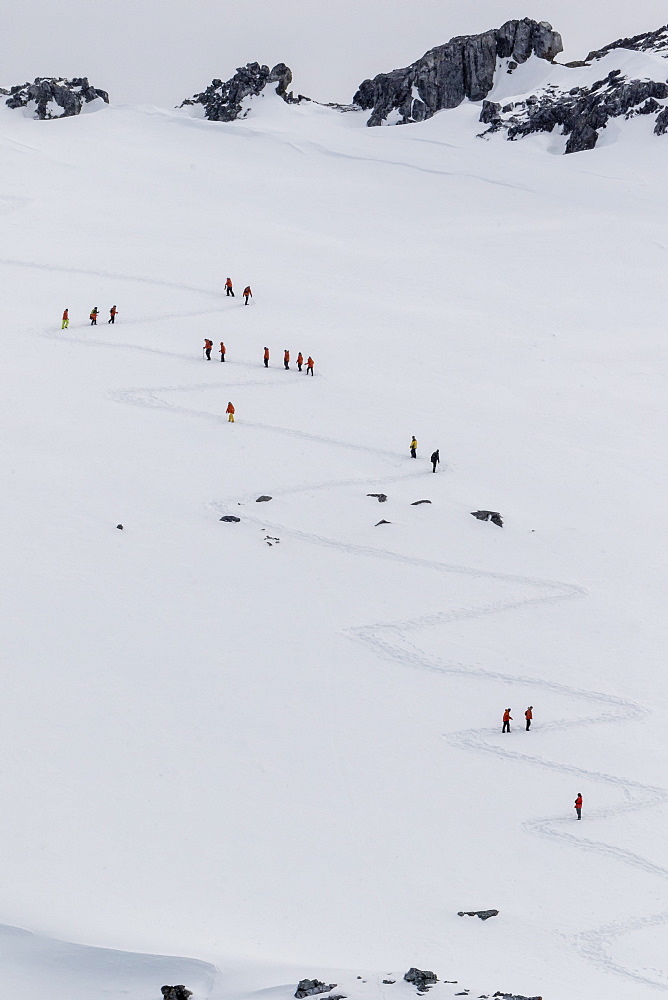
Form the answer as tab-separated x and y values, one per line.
262	499
488	515
380	497
311	987
416	503
230	517
120	527
382	522
175	992
483	914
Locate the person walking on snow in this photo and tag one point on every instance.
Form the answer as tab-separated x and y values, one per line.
112	315
266	357
507	719
208	344
228	287
230	413
300	360
435	459
286	359
93	316
222	351
247	294
528	715
66	319
414	447
578	805
309	365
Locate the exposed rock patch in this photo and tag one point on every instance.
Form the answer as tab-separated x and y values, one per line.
488	515
230	517
311	988
53	97
462	68
380	497
175	993
416	503
262	499
382	522
483	914
422	980
222	99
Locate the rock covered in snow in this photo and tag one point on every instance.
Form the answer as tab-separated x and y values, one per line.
579	112
462	68
222	99
422	980
649	41
53	97
311	988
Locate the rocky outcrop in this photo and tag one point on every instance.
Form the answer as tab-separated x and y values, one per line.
380	497
581	112
462	68
649	41
175	993
422	980
483	914
222	101
52	97
488	515
311	988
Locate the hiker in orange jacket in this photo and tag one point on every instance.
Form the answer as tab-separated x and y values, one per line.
222	351
228	287
93	316
300	360
208	344
528	715
247	294
266	357
230	413
66	319
507	719
309	365
578	805
286	359
112	315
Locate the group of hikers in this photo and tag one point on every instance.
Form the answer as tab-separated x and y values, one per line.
222	350
229	290
528	715
435	457
94	313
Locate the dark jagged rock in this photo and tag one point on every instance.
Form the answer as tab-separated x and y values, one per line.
661	123
483	914
416	503
649	41
230	517
382	522
422	980
513	996
389	982
55	97
120	527
380	497
175	993
462	68
222	99
488	515
262	499
311	988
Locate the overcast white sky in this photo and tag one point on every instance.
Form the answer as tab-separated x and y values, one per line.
161	51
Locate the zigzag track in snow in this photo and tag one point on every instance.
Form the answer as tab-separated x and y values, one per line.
388	640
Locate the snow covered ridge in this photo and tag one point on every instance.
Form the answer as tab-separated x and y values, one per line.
465	67
54	97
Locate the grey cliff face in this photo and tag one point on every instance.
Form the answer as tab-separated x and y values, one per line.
462	68
52	97
222	99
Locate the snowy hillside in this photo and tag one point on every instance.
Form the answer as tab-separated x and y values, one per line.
285	760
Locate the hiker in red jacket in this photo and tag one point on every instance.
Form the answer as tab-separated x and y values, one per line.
113	313
266	357
66	319
300	360
528	715
222	351
286	359
230	413
247	294
309	365
578	805
208	344
228	287
507	719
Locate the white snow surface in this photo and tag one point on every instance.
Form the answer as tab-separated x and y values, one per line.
283	761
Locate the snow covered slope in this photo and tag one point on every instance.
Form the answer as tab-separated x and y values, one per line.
283	760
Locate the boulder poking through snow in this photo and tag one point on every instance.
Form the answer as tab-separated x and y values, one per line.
488	515
54	97
221	100
483	914
311	988
175	993
422	980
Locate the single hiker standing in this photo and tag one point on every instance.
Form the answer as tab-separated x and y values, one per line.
247	294
309	365
507	719
66	319
222	351
300	360
228	287
208	344
435	459
113	312
94	313
528	715
266	357
414	447
578	805
286	359
230	413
